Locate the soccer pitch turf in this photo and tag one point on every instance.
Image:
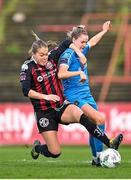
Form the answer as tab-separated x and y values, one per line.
74	163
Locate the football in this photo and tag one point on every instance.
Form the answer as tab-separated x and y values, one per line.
110	158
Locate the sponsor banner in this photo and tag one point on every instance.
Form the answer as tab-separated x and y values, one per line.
18	124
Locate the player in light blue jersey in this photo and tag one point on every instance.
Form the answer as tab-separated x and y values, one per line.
74	74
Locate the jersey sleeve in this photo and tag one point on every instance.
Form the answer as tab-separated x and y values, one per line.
86	49
25	79
56	52
65	59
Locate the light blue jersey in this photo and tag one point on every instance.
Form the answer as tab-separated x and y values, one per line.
72	86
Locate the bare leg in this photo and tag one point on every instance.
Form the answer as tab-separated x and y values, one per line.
50	149
51	141
93	114
71	114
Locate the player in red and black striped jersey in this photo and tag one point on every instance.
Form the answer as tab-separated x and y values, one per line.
40	83
42	78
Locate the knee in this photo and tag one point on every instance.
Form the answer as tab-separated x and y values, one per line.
101	119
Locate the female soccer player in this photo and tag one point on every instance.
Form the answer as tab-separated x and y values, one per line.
73	71
40	83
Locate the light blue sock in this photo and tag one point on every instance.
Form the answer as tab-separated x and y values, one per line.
96	145
92	145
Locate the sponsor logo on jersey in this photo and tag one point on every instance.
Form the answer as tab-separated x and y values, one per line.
49	65
24	67
22	76
39	78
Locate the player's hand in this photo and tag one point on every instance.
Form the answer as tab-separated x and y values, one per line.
52	97
82	76
107	26
83	59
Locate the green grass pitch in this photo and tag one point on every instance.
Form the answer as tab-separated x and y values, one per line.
74	163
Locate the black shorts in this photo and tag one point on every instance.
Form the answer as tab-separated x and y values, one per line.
49	120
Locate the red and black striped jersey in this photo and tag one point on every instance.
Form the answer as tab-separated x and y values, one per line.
43	79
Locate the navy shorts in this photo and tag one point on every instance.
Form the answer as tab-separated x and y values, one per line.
49	120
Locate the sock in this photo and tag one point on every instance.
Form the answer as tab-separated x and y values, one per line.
94	130
43	149
98	154
97	145
95	159
92	145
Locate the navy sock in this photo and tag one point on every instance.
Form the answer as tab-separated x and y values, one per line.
43	149
94	130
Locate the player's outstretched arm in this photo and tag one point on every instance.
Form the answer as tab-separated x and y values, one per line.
95	39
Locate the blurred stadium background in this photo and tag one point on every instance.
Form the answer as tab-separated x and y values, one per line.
110	78
109	62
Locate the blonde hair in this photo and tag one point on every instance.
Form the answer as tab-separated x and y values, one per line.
35	35
38	43
76	32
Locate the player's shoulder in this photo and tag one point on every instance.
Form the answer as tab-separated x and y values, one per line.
67	53
28	61
27	64
69	50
